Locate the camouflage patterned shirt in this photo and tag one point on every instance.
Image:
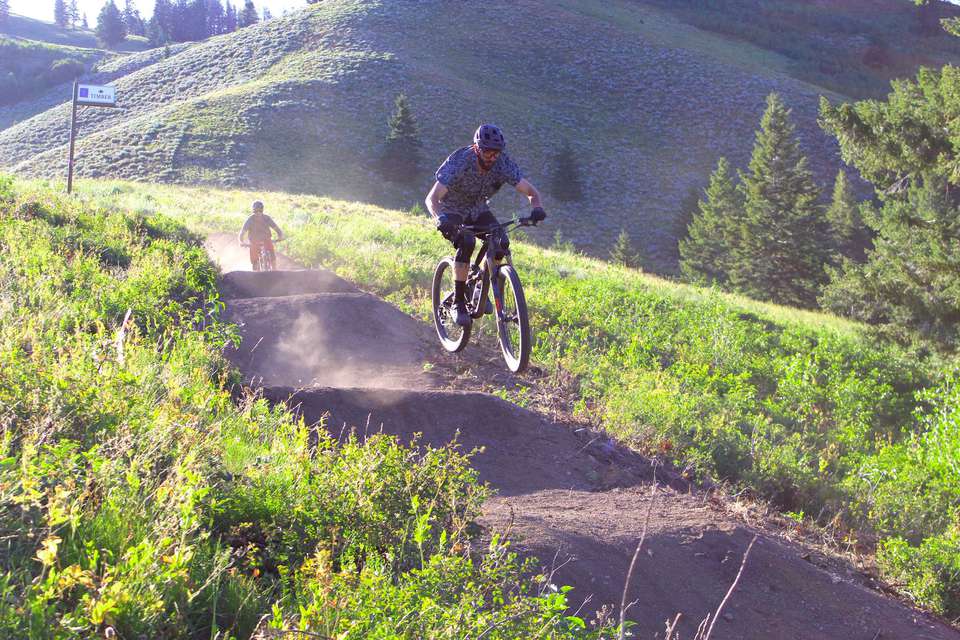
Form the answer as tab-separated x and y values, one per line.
467	189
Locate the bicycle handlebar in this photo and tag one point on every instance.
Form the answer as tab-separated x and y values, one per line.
517	222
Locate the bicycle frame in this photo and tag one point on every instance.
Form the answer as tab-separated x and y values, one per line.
486	266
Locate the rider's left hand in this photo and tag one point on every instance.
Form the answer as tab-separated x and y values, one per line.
538	215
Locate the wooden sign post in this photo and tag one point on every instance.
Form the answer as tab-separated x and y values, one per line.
86	95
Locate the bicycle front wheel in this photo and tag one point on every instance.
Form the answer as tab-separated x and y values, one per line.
513	323
452	336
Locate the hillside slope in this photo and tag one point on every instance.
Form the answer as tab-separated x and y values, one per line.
300	103
39	61
575	502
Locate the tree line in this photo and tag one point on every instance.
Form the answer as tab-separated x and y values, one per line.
172	20
892	261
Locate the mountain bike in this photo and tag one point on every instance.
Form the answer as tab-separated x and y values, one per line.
491	269
266	259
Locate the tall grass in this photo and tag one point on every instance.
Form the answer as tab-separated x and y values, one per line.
804	409
136	495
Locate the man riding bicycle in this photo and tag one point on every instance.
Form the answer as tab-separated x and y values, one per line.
466	180
258	229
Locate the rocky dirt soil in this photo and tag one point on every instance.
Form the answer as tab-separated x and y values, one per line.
569	496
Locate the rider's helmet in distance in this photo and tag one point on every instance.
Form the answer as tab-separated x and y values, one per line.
489	136
257	206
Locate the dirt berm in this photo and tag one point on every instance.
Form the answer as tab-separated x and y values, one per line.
575	501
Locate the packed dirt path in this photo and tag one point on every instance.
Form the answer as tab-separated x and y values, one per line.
567	495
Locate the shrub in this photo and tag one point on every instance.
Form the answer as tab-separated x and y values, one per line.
63	70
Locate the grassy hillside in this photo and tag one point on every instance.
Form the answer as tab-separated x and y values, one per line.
138	500
802	408
37	56
854	47
300	103
30	29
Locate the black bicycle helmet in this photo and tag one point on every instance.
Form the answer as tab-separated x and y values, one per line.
489	136
257	206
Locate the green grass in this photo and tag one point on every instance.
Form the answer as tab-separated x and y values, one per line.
803	408
136	494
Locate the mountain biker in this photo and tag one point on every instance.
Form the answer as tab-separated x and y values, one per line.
466	180
258	229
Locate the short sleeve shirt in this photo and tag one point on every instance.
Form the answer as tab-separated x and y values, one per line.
259	228
467	189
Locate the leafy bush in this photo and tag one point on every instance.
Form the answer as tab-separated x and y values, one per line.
930	573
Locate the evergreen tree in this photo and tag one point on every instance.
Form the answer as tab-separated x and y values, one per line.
155	34
706	252
215	18
229	18
132	21
4	11
850	236
566	175
908	147
401	156
61	14
110	25
622	252
160	29
780	253
196	20
73	14
266	14
910	283
249	15
86	25
181	27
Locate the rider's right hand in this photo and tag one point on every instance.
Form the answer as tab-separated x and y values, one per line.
446	226
538	215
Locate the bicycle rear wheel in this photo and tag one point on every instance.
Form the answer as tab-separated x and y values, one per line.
513	322
452	336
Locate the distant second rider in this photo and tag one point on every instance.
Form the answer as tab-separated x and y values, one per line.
258	228
465	181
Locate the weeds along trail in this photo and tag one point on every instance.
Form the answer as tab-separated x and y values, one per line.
346	360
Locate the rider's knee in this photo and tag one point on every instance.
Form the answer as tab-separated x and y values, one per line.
465	243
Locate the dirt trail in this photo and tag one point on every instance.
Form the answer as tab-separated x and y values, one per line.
331	351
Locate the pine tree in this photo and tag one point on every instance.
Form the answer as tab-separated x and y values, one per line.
215	18
196	20
155	34
181	24
706	252
401	155
622	252
781	252
249	15
4	11
132	21
566	184
910	283
850	236
266	14
110	25
229	18
908	147
73	14
61	14
160	28
85	24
